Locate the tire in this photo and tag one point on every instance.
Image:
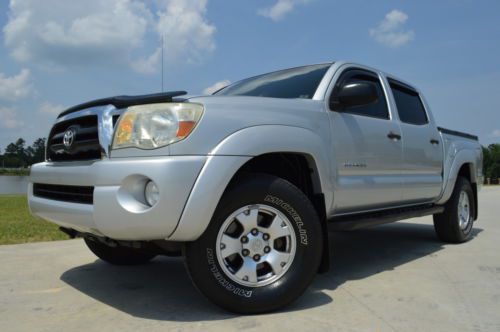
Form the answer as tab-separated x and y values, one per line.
277	202
119	255
452	225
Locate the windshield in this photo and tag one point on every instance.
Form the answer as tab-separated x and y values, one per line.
300	82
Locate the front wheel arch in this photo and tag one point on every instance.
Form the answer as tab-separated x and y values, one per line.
307	179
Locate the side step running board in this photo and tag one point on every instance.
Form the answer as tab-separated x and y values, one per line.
352	222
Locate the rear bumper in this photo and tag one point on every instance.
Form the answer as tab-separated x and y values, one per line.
117	211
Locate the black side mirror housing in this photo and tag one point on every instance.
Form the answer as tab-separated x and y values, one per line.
353	95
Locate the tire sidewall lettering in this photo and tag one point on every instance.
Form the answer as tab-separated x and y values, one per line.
293	214
219	277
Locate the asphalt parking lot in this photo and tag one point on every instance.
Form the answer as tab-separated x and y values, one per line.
396	277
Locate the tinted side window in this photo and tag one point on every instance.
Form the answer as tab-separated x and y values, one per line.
378	109
410	107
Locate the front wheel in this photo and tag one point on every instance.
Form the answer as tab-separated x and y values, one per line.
262	248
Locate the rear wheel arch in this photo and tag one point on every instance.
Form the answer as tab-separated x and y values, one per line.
462	167
467	171
455	223
462	164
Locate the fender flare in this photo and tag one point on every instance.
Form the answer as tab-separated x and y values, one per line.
461	158
230	155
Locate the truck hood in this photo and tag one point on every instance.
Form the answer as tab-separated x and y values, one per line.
242	103
126	101
225	115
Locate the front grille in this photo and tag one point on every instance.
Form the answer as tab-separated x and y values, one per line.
73	194
84	144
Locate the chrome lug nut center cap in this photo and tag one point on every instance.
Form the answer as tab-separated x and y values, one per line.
256	244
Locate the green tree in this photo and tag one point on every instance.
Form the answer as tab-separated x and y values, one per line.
29	155
491	161
21	152
16	154
10	150
10	156
38	148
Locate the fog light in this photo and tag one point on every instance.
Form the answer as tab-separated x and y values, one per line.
151	193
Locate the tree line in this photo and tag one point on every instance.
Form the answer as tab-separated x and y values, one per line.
18	155
491	161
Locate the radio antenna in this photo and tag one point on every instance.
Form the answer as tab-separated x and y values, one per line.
162	45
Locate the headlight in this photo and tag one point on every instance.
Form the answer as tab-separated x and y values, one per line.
152	126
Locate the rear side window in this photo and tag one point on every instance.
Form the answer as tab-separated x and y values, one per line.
410	107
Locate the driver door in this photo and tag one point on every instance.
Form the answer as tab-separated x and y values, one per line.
366	148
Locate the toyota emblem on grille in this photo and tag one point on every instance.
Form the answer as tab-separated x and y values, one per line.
69	137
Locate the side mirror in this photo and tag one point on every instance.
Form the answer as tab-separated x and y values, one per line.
354	94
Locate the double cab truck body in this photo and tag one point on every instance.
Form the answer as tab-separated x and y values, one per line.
248	181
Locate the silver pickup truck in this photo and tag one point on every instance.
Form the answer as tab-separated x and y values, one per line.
247	182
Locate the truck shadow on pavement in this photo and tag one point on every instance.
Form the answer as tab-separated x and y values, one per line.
162	289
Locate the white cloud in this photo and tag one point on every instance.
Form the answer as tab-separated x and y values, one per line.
60	33
390	30
53	109
280	9
15	87
216	86
187	34
496	133
8	118
147	65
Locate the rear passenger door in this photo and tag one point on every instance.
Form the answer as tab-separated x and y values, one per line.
422	150
367	149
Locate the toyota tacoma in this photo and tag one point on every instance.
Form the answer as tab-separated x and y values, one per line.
247	182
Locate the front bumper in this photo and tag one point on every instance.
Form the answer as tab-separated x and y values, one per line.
117	211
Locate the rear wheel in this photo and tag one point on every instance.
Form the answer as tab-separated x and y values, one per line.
455	223
262	248
119	255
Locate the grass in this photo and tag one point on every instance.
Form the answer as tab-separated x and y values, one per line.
17	225
14	171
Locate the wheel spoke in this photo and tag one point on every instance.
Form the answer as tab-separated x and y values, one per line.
278	260
463	201
255	244
229	246
248	271
278	228
248	221
463	210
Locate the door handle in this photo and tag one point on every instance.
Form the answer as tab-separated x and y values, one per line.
434	141
394	136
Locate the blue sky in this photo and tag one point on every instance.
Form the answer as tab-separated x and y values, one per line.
57	53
